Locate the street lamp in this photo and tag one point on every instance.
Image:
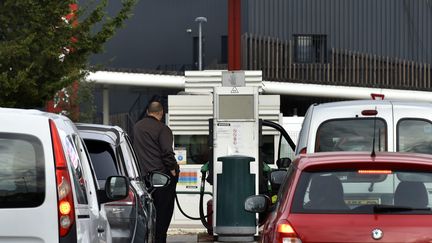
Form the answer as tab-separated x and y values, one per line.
200	20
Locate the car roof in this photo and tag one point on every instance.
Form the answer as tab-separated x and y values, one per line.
382	160
107	133
62	122
30	112
361	103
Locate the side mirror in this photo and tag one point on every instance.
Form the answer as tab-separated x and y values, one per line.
277	177
283	163
257	203
116	188
158	180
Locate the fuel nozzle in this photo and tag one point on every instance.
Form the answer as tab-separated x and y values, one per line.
205	168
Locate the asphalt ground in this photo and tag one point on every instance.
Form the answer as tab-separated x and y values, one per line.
185	234
189	234
191	238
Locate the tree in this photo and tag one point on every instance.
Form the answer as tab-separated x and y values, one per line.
45	46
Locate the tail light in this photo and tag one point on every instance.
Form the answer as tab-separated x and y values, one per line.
128	201
369	112
285	233
376	172
65	203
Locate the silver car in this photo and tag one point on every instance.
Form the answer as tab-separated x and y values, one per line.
132	219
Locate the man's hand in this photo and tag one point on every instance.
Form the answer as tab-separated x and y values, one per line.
173	172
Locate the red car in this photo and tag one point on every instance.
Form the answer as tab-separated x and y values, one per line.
350	197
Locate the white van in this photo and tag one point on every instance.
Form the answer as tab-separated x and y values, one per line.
47	185
352	125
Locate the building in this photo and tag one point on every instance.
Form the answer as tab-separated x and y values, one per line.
367	43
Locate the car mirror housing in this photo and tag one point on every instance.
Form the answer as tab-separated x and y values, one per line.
116	188
277	177
283	163
257	203
158	179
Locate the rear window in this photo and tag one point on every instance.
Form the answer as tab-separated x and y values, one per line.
103	158
351	135
415	136
22	173
364	192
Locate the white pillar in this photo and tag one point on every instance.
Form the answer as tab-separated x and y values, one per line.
105	105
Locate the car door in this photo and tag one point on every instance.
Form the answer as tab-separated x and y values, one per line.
146	216
27	182
100	226
413	127
286	146
79	184
91	228
348	127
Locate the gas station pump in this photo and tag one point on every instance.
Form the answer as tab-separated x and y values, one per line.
235	161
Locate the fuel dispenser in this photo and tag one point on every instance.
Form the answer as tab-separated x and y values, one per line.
235	161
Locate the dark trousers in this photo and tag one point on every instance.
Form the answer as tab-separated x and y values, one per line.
164	203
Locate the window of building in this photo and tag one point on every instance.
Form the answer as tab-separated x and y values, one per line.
192	149
310	49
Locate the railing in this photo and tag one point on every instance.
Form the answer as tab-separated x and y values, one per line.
275	58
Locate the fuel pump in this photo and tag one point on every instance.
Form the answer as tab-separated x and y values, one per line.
235	161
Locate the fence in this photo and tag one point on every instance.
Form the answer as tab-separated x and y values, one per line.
275	58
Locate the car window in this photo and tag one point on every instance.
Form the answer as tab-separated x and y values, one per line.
414	135
285	149
134	156
351	135
22	174
267	149
286	185
78	177
364	192
129	159
103	158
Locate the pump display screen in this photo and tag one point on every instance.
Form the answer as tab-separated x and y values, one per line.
236	107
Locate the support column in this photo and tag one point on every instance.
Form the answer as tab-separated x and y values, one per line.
105	105
234	32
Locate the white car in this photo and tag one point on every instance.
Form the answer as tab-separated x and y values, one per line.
351	126
48	189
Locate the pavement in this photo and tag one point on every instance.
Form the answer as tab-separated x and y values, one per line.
192	238
187	234
182	238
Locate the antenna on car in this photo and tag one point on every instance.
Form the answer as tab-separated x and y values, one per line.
373	139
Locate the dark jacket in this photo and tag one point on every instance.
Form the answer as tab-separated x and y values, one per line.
153	142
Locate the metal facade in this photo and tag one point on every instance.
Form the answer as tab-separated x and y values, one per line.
388	28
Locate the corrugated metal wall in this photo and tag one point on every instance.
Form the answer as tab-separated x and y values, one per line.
388	28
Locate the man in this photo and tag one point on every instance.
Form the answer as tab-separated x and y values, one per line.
153	142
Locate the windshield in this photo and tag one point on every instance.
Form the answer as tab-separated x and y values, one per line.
363	192
351	135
